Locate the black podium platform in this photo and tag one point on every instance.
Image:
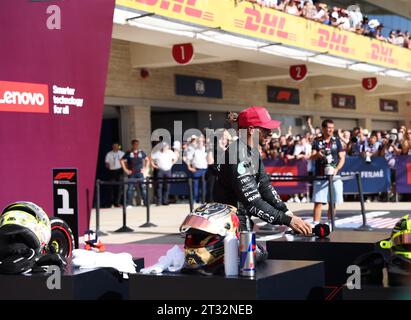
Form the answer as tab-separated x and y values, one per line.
276	279
76	284
338	251
377	293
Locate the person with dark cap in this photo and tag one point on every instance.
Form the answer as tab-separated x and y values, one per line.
242	181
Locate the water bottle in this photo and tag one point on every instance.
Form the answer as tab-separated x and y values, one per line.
231	254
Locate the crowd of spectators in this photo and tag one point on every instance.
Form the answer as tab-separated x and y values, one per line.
356	142
350	18
199	156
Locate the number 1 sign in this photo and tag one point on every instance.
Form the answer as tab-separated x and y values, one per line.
183	53
65	198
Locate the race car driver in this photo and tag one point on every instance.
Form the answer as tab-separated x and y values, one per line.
242	182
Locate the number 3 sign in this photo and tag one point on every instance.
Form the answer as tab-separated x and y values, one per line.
299	72
369	84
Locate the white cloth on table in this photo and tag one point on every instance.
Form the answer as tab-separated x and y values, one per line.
173	261
85	259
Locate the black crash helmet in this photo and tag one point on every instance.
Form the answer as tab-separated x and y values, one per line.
25	232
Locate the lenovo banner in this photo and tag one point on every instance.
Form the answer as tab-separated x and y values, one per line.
280	168
375	175
53	69
403	174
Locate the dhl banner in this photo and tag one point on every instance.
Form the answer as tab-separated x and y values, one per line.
251	20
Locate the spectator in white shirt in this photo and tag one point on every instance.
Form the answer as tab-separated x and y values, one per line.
163	160
302	149
113	165
197	165
334	18
344	21
177	149
291	7
321	15
400	38
309	10
270	3
356	16
189	147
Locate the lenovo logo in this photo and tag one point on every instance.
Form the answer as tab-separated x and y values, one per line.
64	176
24	97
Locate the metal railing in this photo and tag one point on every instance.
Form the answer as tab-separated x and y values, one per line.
331	203
149	181
146	182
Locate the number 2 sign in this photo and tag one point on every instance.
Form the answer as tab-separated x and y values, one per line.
298	72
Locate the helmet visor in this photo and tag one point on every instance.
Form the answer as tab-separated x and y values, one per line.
403	240
200	239
200	223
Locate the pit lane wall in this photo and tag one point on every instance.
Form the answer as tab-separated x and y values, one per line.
250	20
53	68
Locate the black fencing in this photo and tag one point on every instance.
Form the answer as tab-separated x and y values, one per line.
149	181
331	202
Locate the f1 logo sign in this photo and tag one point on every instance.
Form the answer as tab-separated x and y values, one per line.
369	84
183	53
298	72
65	175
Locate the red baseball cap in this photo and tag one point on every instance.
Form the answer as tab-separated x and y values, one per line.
257	117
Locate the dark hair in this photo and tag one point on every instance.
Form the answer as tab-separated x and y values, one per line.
231	118
326	122
134	141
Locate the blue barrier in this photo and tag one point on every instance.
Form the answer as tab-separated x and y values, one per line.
375	176
179	171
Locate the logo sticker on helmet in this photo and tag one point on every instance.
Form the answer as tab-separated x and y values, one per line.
241	169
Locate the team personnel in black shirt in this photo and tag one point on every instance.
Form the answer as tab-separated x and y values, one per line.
242	180
329	157
133	163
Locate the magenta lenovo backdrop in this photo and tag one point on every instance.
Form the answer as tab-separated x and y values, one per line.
52	84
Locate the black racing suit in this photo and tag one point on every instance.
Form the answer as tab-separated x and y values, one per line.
245	184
